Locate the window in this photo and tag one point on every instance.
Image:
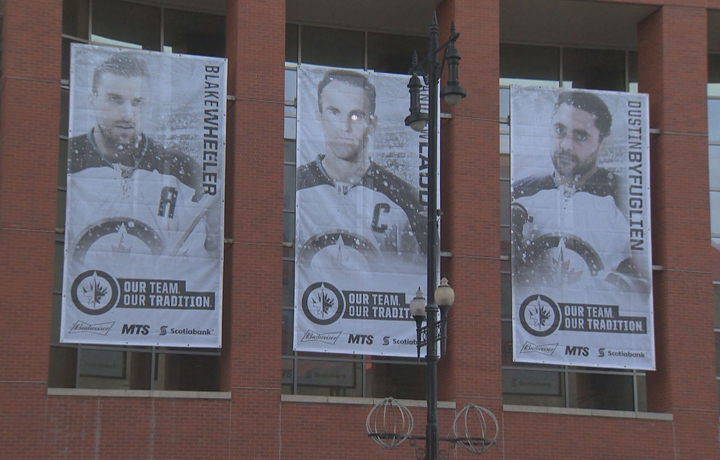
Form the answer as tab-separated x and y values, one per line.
558	386
119	23
714	171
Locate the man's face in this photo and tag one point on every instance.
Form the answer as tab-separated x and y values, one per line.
576	142
346	120
119	106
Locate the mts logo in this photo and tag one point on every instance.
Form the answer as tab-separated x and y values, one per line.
136	329
577	351
360	339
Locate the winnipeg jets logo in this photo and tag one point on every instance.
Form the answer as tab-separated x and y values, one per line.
539	315
323	303
94	292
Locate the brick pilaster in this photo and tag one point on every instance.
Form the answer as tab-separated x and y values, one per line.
470	186
253	325
672	63
29	145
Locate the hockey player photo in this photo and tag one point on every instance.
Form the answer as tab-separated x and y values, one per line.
580	221
144	212
361	219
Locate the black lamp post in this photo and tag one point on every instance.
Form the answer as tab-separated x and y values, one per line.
431	68
390	423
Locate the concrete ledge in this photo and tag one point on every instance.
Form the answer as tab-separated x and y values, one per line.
84	392
359	401
588	412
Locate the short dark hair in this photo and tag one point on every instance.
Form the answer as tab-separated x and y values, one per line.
590	103
357	79
124	65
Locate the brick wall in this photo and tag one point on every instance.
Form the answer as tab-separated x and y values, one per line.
254	423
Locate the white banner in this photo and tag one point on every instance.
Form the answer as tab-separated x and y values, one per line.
145	199
361	221
581	243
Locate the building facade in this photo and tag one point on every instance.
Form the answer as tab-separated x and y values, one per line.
255	398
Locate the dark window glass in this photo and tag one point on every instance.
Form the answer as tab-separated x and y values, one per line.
332	47
505	202
60	209
287	376
594	69
65	63
329	378
505	240
405	381
75	18
288	231
288	283
113	369
632	71
642	393
63	365
289	189
505	167
714	75
187	372
601	391
713	68
55	316
716	297
506	303
64	111
291	42
526	62
506	338
58	267
533	388
126	24
194	33
393	53
290	151
62	164
717	351
287	332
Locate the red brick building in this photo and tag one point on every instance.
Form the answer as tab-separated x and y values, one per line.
251	399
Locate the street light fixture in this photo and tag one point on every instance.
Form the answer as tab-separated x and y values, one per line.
389	422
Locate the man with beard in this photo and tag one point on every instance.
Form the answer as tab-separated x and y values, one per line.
352	212
127	193
568	225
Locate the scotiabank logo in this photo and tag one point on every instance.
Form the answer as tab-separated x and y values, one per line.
602	352
165	330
